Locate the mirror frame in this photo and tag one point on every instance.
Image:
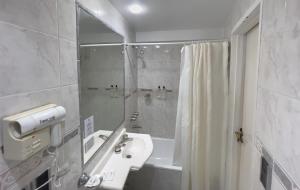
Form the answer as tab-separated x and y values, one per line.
80	7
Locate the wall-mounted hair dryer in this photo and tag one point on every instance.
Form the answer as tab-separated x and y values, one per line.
26	133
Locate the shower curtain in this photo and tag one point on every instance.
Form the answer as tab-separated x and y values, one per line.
201	123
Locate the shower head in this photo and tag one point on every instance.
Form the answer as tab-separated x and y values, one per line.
140	55
143	61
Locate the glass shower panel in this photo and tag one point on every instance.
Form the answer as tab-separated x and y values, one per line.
158	83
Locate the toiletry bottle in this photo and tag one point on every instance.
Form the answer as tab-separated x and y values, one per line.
158	93
112	91
116	92
164	93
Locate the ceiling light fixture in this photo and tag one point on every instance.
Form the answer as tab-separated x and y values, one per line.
136	8
157	46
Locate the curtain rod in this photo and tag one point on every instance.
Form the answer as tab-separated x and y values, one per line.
101	45
175	42
154	43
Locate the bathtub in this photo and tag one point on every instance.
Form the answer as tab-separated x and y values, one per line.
162	155
158	173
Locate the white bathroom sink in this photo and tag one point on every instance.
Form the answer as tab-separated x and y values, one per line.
118	165
134	148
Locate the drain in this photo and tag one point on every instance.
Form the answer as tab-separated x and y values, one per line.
128	156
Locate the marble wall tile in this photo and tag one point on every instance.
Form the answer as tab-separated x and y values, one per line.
29	169
33	14
70	100
286	136
30	175
29	60
158	118
39	67
71	157
161	68
153	79
130	107
68	62
281	15
67	19
266	118
279	67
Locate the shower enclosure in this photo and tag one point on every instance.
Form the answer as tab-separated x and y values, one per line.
194	135
158	83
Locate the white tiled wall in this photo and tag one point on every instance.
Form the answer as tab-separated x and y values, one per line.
38	66
278	104
162	68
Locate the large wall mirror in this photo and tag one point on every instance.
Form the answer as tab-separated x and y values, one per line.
101	81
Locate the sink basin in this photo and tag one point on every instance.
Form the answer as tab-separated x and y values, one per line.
116	166
134	148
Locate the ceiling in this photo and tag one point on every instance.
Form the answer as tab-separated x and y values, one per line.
90	24
176	14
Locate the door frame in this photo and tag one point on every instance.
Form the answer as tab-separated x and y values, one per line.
252	17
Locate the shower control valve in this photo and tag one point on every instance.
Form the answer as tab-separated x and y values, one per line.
133	118
136	114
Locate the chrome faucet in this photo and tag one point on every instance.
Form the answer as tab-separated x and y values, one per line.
122	143
125	139
134	116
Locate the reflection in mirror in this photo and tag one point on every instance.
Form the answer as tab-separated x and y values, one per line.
101	78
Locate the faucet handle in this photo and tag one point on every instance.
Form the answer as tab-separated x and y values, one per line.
118	149
133	118
125	136
136	114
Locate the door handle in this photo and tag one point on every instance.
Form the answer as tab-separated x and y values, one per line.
239	135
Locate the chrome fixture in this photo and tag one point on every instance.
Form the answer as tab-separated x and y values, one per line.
134	116
83	179
125	139
140	51
101	45
118	148
104	137
186	42
122	143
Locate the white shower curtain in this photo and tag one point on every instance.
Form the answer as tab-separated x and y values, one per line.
201	124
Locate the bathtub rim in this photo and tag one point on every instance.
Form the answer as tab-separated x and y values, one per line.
163	166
